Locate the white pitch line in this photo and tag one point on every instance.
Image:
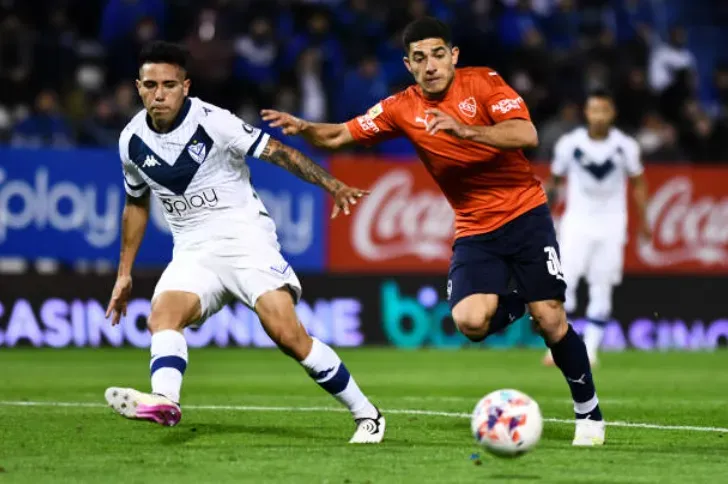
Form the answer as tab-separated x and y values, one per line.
433	413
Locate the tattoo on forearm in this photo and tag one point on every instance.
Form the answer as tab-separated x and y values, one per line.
300	165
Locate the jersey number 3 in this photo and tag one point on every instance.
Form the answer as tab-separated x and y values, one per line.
553	264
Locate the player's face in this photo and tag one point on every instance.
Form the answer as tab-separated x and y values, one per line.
599	112
432	63
163	88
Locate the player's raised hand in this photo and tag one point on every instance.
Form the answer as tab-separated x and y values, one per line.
444	122
290	124
344	197
119	299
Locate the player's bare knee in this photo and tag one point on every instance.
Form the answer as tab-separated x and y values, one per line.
550	318
473	320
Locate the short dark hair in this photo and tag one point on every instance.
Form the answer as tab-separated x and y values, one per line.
425	28
160	52
601	93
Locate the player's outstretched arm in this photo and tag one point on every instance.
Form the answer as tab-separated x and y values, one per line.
305	168
321	135
133	224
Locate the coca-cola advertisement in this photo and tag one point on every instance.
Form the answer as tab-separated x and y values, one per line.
406	224
688	212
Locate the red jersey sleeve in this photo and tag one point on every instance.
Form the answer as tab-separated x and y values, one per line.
377	124
501	100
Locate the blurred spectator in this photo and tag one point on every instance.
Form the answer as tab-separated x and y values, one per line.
658	140
211	59
16	62
668	58
363	87
568	118
318	34
516	23
57	48
121	17
256	56
703	137
360	26
562	27
126	100
311	85
634	99
102	129
719	107
633	18
124	53
333	59
46	126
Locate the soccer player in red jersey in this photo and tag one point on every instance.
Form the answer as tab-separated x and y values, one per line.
469	128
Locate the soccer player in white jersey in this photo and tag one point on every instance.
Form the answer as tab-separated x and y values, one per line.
192	156
597	160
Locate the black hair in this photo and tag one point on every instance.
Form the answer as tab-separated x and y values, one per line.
425	28
160	52
601	93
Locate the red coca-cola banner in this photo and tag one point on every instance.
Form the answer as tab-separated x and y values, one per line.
406	224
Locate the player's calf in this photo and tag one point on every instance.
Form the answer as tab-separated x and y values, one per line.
569	354
278	317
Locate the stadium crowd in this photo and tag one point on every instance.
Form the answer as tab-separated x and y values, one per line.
67	66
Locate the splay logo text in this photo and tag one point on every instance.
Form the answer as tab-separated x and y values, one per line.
186	204
40	203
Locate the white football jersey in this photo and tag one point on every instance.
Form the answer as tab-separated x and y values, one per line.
198	172
597	172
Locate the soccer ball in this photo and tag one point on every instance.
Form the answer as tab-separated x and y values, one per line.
507	423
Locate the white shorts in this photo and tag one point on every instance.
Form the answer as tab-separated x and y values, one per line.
218	281
599	259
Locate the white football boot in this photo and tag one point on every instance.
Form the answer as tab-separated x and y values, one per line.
589	433
136	405
369	430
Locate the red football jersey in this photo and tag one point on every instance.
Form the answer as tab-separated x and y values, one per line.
487	187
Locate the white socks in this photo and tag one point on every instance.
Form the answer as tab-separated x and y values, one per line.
326	368
169	362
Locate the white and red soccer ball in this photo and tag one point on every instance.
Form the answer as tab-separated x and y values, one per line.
507	423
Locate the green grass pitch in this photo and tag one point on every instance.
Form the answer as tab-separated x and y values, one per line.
254	416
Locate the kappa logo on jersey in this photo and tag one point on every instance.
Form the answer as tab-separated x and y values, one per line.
468	107
197	151
186	204
507	105
150	161
367	123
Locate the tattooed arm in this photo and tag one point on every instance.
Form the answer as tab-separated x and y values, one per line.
300	165
306	169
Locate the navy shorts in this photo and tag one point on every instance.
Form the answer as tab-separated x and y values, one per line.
524	251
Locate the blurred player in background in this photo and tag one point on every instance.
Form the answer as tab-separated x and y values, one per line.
191	155
597	159
469	128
